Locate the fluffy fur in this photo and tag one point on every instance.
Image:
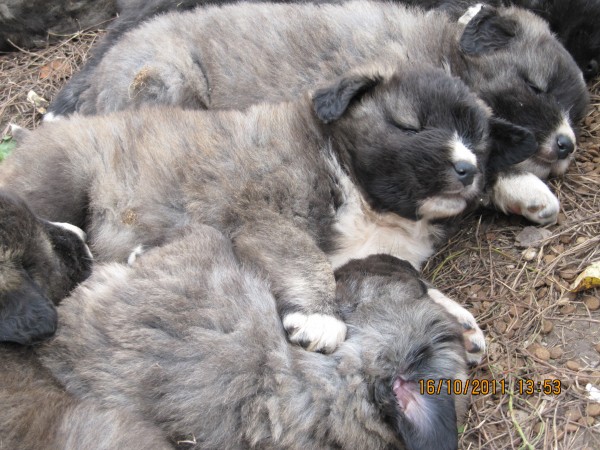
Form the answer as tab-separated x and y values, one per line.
213	58
196	346
40	263
33	23
291	184
38	413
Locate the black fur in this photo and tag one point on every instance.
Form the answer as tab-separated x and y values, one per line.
40	263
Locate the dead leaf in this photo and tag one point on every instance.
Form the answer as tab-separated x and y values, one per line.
588	279
58	68
40	103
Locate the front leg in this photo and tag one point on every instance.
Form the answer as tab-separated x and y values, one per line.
301	279
472	334
525	194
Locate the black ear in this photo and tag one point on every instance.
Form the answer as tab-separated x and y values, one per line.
437	430
487	32
330	103
26	314
509	145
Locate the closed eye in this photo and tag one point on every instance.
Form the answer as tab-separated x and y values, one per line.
534	88
404	128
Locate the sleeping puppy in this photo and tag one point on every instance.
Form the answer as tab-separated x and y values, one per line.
38	413
376	162
575	22
213	58
194	345
40	263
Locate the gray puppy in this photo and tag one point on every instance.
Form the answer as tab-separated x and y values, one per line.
40	263
37	413
214	58
300	188
191	340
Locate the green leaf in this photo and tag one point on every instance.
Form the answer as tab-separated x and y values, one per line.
6	146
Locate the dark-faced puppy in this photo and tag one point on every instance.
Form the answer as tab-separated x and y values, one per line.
299	187
196	347
40	263
508	57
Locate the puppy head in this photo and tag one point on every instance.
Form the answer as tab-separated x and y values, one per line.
415	140
404	338
515	64
40	263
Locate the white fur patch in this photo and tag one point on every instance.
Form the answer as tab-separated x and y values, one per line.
460	152
363	232
474	337
320	331
441	207
77	231
50	117
526	195
471	12
135	254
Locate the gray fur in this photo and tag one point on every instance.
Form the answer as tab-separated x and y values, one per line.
37	413
276	179
190	339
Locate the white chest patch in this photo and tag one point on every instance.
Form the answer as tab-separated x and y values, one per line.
364	232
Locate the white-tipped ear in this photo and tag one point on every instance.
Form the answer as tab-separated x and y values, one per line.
471	12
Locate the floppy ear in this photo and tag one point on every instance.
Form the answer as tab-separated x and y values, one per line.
331	103
26	315
510	144
487	32
427	422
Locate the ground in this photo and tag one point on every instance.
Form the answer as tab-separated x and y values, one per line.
536	329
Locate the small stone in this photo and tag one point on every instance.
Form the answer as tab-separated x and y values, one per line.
569	296
586	422
542	353
561	219
571	427
593	410
597	347
565	239
568	274
567	309
532	237
537	428
500	326
558	249
592	303
573	365
556	352
547	326
549	258
580	240
529	254
573	415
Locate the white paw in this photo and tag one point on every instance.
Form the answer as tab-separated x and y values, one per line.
526	195
472	334
315	332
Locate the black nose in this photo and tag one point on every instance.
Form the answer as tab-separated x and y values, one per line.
564	146
465	171
591	70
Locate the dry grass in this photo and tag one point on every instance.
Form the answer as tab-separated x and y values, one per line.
523	305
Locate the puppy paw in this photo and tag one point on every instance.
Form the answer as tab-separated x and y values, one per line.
472	334
526	195
315	332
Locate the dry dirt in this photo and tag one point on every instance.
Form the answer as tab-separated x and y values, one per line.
536	329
